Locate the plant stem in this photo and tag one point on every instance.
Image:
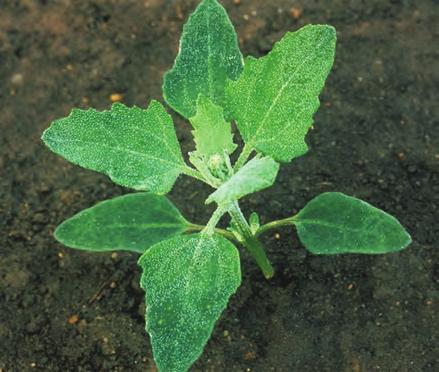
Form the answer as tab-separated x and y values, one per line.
214	219
253	245
246	152
275	224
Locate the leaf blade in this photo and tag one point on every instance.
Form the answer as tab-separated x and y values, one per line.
208	55
212	133
131	222
187	281
136	148
334	223
256	175
275	98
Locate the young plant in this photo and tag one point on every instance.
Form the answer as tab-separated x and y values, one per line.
190	271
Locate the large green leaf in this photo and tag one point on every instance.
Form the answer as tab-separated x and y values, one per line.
136	148
188	281
209	54
257	174
335	223
212	134
131	222
274	99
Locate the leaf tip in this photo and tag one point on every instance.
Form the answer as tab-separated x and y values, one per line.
58	233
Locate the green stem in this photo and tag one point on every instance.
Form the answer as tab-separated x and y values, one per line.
214	219
253	245
275	224
246	152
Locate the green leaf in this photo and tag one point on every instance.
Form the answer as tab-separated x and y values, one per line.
275	98
334	223
209	54
212	134
136	148
131	222
254	222
257	174
188	281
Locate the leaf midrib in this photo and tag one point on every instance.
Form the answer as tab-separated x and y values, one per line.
82	143
253	141
331	225
146	226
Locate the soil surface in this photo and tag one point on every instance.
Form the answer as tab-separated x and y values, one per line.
376	137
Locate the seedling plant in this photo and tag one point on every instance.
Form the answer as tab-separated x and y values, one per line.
189	271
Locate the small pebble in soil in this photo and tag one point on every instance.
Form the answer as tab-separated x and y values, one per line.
116	97
237	2
250	355
179	12
73	319
295	12
17	79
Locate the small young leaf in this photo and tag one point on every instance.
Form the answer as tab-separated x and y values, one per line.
136	148
209	54
274	99
131	222
334	223
254	222
257	174
188	281
212	134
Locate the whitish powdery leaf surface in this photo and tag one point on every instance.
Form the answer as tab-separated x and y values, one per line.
136	148
188	281
257	174
130	222
212	133
209	54
274	99
334	223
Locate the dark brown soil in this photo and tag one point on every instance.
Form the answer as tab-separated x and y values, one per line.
376	137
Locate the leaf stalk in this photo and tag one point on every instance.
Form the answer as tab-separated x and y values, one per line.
227	234
275	224
243	157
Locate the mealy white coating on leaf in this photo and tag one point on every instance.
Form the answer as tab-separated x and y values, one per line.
188	281
212	133
256	175
132	222
334	223
209	55
136	148
276	96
